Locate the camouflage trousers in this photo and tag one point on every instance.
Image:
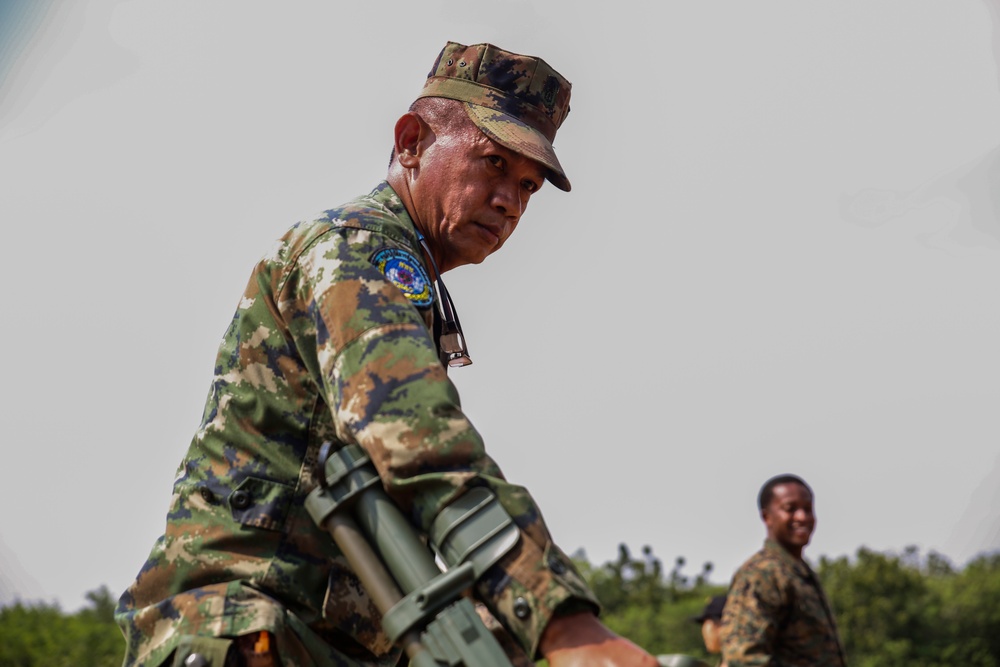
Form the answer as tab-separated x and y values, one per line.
257	648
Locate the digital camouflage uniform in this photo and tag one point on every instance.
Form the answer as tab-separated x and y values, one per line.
325	347
776	614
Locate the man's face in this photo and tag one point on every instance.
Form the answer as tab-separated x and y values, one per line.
470	193
789	517
710	633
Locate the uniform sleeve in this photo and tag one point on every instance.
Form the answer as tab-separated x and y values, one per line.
389	393
752	618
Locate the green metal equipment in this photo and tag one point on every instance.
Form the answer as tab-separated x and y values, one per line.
424	609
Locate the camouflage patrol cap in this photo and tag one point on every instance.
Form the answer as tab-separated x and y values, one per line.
518	101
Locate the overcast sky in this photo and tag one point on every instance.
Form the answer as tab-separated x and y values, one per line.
781	254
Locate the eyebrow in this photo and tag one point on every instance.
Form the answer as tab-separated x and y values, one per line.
540	172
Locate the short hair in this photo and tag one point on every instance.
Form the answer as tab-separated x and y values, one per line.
767	491
443	115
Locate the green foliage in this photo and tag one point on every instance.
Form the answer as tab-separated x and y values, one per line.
650	606
878	603
973	606
41	635
895	610
892	610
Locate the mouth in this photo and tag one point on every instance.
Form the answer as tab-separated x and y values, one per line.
489	233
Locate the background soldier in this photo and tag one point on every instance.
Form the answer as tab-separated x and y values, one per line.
710	620
776	612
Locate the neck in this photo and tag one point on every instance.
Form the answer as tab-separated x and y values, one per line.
793	551
401	185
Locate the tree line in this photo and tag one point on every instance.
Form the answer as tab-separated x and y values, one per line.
893	609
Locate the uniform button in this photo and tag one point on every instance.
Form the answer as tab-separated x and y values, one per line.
196	660
521	608
557	565
241	499
207	495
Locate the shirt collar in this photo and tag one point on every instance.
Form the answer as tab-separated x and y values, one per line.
775	549
384	197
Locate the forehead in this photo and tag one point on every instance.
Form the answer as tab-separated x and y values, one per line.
790	492
524	165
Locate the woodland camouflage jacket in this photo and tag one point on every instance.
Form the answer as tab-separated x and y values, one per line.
331	342
776	614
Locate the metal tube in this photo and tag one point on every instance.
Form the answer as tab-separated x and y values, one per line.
405	554
375	579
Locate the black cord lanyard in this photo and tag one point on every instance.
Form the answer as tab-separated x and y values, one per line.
451	342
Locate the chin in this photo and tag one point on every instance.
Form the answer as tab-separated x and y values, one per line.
479	259
476	260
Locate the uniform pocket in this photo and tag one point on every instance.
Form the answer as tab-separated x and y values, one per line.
260	503
202	651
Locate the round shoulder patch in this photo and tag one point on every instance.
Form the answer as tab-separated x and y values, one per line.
407	273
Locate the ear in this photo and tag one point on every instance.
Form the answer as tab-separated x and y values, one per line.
409	134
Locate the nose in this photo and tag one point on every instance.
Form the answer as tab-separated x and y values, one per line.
507	200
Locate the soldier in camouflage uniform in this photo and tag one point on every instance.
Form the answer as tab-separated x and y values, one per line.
710	620
344	334
776	613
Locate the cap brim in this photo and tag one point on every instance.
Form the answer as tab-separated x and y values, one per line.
521	138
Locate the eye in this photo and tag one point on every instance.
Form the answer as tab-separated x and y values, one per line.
529	185
496	161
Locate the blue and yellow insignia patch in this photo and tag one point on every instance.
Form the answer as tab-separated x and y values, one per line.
407	273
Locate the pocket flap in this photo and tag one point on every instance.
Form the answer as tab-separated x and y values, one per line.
260	503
